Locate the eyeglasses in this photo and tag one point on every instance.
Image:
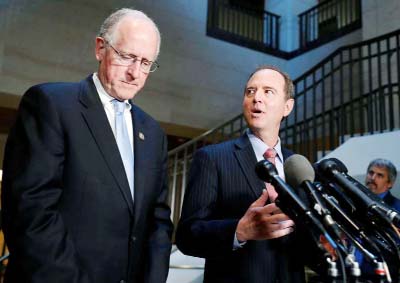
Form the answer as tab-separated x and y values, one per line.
124	59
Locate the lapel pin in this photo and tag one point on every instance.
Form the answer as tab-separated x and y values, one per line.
141	136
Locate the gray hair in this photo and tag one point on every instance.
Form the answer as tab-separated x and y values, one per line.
288	88
384	163
108	27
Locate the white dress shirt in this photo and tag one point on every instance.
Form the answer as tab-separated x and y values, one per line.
106	100
260	148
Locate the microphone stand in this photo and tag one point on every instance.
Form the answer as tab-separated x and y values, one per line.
333	272
382	274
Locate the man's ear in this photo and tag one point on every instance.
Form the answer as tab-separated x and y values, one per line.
100	48
289	104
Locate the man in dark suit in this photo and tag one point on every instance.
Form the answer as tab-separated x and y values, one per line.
228	217
380	178
84	184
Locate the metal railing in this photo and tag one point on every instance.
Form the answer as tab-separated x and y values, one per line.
180	159
243	26
354	91
328	20
259	29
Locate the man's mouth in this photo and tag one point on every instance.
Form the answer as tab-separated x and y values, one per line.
129	83
256	111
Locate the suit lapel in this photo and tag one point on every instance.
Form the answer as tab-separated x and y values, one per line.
140	153
247	160
96	119
286	153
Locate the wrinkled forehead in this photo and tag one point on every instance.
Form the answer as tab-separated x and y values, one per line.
132	34
131	25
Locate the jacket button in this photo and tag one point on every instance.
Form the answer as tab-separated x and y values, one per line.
122	281
133	238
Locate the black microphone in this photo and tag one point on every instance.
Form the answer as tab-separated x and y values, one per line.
334	170
292	205
392	214
299	173
288	201
267	172
385	235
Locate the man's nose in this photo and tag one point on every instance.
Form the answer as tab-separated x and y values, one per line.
257	96
134	69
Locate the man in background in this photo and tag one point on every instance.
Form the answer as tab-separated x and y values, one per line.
85	171
381	175
380	178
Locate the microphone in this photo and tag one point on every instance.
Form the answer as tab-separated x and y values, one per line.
293	206
392	214
297	209
385	236
300	173
334	170
267	172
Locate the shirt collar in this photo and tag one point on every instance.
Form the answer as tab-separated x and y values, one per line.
260	147
105	98
382	195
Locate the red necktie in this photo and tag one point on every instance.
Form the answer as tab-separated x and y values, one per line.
270	155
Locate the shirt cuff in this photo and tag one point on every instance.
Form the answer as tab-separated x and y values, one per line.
237	244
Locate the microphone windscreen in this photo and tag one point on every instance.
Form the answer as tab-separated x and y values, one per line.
297	170
340	165
265	170
326	167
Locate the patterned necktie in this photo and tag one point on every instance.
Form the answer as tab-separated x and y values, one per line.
122	138
270	155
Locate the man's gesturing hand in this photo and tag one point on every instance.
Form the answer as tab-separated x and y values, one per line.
262	222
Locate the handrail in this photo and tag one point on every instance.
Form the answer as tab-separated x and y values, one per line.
204	135
347	47
3	258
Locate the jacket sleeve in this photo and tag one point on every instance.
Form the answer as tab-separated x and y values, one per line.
159	242
40	246
200	233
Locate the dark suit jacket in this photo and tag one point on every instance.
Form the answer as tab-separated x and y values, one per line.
392	201
222	185
68	214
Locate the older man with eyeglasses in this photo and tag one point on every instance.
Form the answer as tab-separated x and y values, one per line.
85	171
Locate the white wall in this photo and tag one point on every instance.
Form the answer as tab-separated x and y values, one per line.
199	83
380	17
201	79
